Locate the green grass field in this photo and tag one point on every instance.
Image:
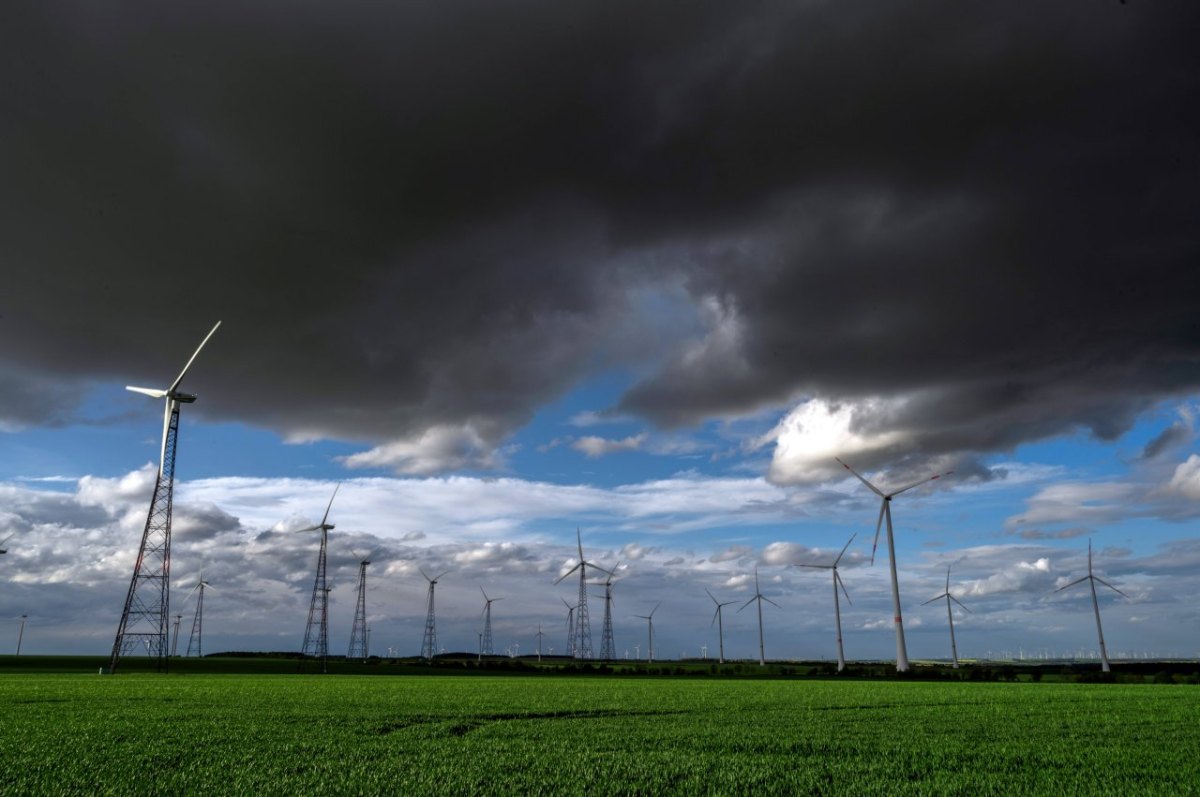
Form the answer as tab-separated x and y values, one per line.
293	734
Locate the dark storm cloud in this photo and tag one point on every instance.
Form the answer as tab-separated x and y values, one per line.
440	215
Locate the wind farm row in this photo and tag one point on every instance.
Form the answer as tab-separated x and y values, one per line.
147	624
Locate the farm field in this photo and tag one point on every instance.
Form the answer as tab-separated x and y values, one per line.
277	734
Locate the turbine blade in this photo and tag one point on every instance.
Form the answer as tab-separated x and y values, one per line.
714	600
818	567
935	598
569	572
747	603
309	528
714	620
179	378
652	611
1110	586
773	603
919	483
1073	583
330	504
878	526
837	577
579	541
147	391
858	476
960	605
439	575
844	547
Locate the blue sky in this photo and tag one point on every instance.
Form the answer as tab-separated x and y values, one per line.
633	270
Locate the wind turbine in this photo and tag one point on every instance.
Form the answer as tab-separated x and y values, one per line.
837	609
485	646
570	628
145	619
649	618
885	510
607	647
758	596
197	638
21	633
583	628
720	625
316	631
175	637
539	639
429	641
949	614
1093	578
359	647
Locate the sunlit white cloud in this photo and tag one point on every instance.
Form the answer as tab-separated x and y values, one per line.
812	434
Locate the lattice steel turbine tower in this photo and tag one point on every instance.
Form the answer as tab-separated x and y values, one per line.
429	646
145	620
359	645
485	645
196	640
582	635
316	631
608	649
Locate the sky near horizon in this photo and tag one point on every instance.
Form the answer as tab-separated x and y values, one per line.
509	270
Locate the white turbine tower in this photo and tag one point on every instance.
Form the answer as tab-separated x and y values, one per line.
1093	578
949	614
649	618
885	510
485	645
145	620
583	629
720	624
837	609
758	596
316	630
196	640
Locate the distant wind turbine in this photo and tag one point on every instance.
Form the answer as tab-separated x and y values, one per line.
720	625
196	640
583	628
485	644
1095	604
649	618
429	642
758	596
316	630
949	614
837	609
885	510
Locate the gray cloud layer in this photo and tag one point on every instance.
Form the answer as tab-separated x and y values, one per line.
438	216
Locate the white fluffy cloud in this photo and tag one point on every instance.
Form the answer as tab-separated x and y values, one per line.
812	434
435	450
593	447
1185	481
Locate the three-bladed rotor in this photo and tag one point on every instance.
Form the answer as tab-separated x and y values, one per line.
324	525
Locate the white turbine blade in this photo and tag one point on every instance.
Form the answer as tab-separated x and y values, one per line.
773	603
179	378
652	611
858	476
309	528
569	572
818	567
878	526
935	598
1110	586
1073	583
439	575
329	506
844	547
747	603
960	605
421	570
579	541
715	613
714	600
10	536
147	391
837	577
922	481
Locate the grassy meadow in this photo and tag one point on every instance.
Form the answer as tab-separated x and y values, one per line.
306	734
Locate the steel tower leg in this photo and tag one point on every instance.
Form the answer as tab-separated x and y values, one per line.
316	631
145	620
358	632
486	644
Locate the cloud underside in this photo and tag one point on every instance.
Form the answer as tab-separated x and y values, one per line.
418	231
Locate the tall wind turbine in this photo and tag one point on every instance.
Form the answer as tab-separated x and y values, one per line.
196	640
359	647
583	629
1093	578
145	620
949	614
837	609
608	650
429	646
316	631
649	618
720	625
885	510
570	628
758	596
485	646
539	639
